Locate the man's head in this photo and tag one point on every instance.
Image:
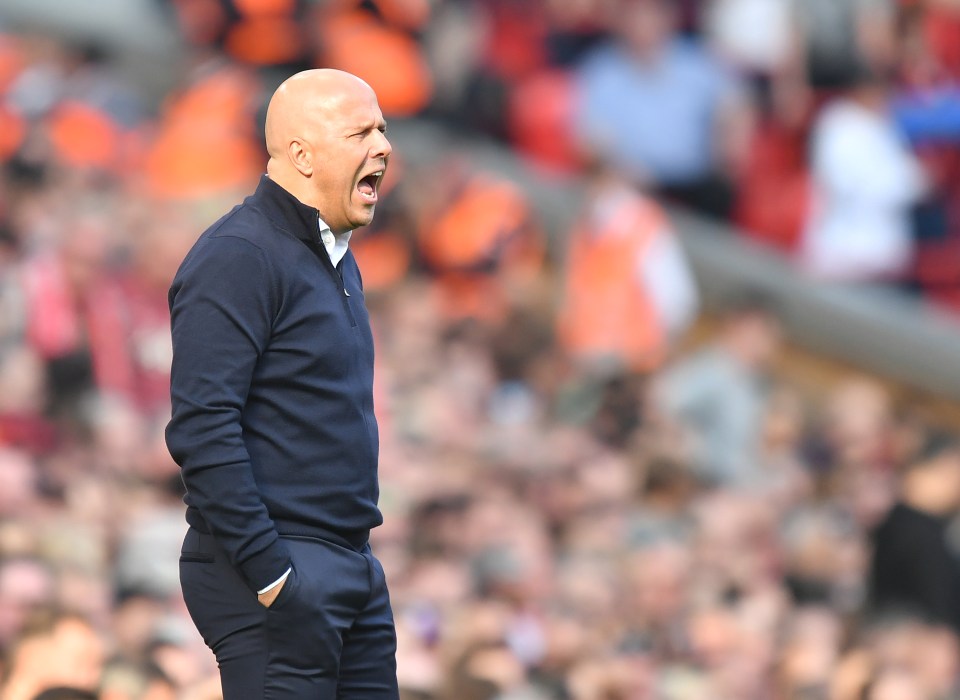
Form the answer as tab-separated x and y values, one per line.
646	25
325	137
752	330
931	482
68	638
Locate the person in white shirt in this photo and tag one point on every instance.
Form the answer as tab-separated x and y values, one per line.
865	181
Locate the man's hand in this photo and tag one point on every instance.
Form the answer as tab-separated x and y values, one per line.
267	597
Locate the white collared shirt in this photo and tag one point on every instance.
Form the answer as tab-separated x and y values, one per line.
336	245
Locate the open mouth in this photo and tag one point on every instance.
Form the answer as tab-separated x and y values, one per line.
367	187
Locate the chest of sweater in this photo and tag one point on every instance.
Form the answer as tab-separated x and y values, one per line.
321	330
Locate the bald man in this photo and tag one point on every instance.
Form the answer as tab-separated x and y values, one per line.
273	424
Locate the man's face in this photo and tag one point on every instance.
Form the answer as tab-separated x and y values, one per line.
646	25
350	155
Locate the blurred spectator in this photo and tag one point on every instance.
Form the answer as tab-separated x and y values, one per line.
865	180
927	110
26	582
940	26
23	394
810	654
18	481
65	693
774	193
915	569
719	395
839	39
384	55
920	659
127	681
48	635
823	558
479	238
857	423
540	116
205	144
662	110
153	259
754	35
269	33
629	291
73	316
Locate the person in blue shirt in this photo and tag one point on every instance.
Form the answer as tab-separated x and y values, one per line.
662	110
273	423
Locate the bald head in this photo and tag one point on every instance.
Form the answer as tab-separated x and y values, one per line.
303	99
324	135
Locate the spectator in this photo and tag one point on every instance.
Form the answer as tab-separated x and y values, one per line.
214	111
65	693
629	291
754	35
837	39
926	108
810	653
479	237
773	197
384	55
662	110
719	396
48	635
266	34
23	401
123	680
914	568
865	179
26	582
72	315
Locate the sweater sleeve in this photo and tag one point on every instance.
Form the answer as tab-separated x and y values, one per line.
222	305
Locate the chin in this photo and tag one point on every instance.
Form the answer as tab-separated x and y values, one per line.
365	220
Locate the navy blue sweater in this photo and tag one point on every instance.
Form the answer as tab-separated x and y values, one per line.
272	386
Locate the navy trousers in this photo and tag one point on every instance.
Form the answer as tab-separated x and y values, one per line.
328	635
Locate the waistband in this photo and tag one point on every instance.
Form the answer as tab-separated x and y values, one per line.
353	539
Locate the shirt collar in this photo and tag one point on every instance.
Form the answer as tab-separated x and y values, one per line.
336	245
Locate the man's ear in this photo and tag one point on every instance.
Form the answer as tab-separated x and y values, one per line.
301	156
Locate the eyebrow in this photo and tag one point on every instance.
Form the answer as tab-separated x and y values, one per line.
368	126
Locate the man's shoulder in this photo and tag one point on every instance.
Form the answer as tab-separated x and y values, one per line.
245	221
246	225
241	233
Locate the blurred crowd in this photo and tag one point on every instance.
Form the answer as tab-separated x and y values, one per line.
590	491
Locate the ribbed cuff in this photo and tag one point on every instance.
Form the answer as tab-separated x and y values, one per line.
260	571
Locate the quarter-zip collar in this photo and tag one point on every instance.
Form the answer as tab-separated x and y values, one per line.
288	212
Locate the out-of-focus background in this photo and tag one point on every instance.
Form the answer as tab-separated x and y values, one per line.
667	304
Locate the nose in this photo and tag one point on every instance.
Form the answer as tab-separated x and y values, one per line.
381	148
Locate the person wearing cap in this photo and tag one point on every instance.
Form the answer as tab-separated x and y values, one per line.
273	423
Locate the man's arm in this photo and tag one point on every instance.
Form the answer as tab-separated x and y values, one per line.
222	309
